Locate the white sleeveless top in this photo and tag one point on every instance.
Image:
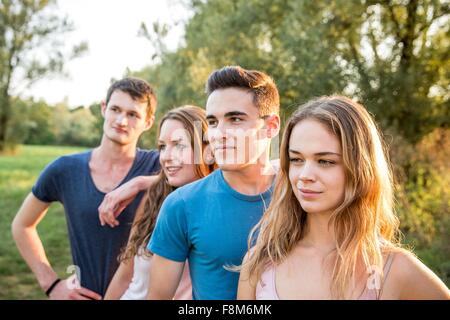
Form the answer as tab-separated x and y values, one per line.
138	288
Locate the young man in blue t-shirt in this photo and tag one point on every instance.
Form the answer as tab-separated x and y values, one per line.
80	182
208	222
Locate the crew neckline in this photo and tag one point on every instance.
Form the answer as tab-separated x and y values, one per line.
250	198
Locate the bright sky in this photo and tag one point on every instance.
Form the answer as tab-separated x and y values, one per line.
111	29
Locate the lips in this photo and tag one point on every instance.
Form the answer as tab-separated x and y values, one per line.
172	170
307	193
120	130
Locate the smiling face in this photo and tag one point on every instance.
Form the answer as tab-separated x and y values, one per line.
235	130
125	119
316	169
175	153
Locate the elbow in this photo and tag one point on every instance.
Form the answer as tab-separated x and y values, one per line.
17	228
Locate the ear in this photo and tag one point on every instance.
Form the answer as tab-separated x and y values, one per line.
272	126
103	107
149	123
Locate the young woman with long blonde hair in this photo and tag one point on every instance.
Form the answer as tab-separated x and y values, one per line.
330	231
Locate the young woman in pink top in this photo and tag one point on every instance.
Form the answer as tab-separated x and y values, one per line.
184	159
330	231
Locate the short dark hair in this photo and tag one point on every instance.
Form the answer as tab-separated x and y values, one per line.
138	89
265	93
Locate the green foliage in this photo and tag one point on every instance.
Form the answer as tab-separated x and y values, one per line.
31	46
35	122
393	55
423	196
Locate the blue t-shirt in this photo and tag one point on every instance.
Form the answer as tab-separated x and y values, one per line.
208	223
94	248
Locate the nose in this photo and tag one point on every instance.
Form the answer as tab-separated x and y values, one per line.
218	133
121	120
307	172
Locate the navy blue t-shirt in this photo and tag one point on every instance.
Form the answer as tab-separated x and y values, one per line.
94	248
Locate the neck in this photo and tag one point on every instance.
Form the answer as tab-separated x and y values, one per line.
111	152
252	179
318	234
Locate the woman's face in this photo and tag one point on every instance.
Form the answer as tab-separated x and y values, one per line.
175	153
316	170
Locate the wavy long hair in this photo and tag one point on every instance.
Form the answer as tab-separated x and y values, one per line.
194	121
364	224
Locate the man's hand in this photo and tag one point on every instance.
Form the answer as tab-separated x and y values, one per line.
70	289
117	200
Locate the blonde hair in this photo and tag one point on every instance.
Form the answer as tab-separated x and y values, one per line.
365	224
143	225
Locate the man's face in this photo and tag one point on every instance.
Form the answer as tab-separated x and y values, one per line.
236	132
125	118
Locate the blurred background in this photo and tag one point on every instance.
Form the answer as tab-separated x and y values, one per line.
57	59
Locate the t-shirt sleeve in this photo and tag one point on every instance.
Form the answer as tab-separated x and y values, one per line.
46	187
170	236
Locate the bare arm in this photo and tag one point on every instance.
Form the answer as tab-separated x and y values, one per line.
30	247
246	286
121	280
117	200
124	274
28	242
410	279
165	276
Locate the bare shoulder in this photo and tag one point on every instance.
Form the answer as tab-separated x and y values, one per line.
410	278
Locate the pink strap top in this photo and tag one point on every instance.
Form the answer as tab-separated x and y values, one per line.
266	287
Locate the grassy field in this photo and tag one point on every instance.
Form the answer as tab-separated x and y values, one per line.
17	176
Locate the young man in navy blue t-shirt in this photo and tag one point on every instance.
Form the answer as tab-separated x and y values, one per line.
80	182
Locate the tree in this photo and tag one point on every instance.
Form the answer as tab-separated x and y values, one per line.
31	47
35	120
390	54
399	53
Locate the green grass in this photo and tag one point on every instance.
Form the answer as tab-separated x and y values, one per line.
17	175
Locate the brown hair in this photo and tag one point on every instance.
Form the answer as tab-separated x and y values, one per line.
138	89
143	226
265	93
